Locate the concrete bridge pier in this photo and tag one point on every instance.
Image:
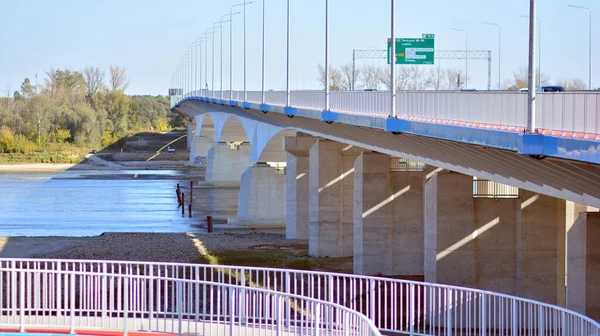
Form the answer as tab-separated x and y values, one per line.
331	199
388	217
199	147
227	162
297	175
262	198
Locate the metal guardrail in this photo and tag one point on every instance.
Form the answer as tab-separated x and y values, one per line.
90	299
568	112
492	189
393	305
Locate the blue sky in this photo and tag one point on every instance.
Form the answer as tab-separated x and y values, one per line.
148	37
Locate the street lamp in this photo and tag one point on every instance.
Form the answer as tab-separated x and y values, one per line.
466	55
393	59
262	95
539	43
230	15
287	66
327	101
231	48
212	84
590	47
499	52
531	71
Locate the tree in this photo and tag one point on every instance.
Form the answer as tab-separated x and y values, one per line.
370	77
573	84
118	78
348	77
117	107
335	78
521	79
94	79
65	85
27	90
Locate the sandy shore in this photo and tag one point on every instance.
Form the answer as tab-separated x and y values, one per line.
168	247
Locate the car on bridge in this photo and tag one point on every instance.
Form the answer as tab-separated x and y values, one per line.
551	88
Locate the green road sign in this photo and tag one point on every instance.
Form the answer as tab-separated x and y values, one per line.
413	50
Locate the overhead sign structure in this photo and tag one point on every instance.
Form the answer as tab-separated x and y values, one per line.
414	50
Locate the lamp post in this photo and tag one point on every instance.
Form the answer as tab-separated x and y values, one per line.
221	52
539	44
231	47
287	66
531	75
590	46
213	58
262	99
327	101
393	60
466	55
499	52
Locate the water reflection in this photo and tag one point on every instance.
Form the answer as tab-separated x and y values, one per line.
87	203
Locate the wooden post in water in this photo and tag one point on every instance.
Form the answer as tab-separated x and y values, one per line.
178	191
182	204
191	191
209	224
190	210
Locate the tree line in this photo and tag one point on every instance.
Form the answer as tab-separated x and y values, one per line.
82	108
424	78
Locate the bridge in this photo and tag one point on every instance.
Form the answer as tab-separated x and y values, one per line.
494	190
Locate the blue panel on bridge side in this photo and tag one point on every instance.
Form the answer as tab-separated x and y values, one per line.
232	103
572	148
288	110
477	136
531	144
329	116
246	105
265	107
222	102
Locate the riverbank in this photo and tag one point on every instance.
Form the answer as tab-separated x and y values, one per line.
92	165
255	249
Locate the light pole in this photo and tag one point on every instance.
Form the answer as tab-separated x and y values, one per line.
231	46
590	47
287	66
327	101
213	55
206	33
262	99
393	60
532	69
466	55
499	52
221	52
539	44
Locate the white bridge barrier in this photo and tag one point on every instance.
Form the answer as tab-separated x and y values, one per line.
564	114
223	300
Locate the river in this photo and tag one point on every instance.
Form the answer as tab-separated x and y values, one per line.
89	203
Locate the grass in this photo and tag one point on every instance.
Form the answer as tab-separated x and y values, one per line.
41	157
277	259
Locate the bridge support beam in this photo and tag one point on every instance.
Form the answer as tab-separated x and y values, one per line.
541	248
449	224
297	176
199	147
583	288
388	218
226	165
331	203
262	198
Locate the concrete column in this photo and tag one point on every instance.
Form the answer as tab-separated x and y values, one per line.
583	287
541	248
225	165
261	200
331	192
388	218
199	149
496	220
449	227
297	173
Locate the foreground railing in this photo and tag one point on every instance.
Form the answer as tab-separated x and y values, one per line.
569	113
392	305
94	300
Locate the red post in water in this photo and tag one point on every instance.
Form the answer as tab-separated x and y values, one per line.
182	203
191	191
209	224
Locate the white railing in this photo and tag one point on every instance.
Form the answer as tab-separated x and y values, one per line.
565	113
74	299
393	305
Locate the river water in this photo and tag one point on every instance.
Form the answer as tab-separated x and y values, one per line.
89	203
